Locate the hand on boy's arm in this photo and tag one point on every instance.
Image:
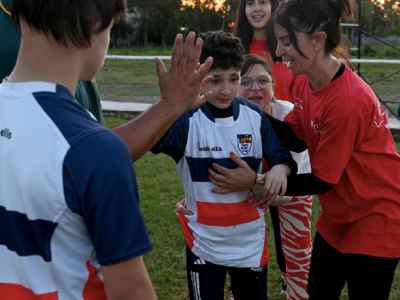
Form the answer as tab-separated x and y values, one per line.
276	180
181	208
274	186
227	181
180	91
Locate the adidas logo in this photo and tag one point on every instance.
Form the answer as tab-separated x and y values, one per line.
6	133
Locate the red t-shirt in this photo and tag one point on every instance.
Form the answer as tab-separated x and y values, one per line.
282	76
350	146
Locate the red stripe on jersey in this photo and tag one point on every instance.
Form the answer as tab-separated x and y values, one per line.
19	292
94	287
226	214
187	233
265	254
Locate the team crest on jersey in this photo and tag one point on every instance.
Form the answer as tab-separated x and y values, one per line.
244	143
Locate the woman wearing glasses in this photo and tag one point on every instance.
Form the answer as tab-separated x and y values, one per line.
291	219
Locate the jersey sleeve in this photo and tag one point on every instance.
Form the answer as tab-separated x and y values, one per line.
273	152
337	140
100	186
294	119
173	143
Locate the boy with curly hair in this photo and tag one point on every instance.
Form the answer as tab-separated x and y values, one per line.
224	233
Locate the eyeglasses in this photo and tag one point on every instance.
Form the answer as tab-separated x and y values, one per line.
256	83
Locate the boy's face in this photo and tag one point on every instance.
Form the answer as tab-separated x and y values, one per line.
224	86
94	56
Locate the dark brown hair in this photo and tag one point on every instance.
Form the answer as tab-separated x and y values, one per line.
245	31
309	16
69	22
226	50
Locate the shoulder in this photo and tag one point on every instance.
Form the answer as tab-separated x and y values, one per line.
97	163
66	114
244	103
351	95
98	149
281	108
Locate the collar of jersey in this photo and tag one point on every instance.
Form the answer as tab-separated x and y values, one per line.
235	109
38	87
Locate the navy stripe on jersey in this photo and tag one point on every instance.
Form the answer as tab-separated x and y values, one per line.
25	237
98	180
199	166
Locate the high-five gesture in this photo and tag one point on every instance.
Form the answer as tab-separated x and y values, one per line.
180	85
180	91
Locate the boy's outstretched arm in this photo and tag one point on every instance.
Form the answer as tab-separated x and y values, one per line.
179	87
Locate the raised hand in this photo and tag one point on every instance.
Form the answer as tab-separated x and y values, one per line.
180	84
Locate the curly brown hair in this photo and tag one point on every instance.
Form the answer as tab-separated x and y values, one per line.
226	50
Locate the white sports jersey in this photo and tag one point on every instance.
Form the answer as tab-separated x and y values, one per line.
68	197
224	229
280	109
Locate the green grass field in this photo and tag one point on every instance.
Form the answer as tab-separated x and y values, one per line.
124	80
160	189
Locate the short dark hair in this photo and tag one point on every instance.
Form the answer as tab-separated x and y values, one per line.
245	31
252	60
226	50
69	22
309	16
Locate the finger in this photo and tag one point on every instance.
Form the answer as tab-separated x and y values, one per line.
217	179
160	68
193	47
267	185
201	99
177	51
220	190
283	188
188	48
203	70
275	188
236	159
183	210
221	170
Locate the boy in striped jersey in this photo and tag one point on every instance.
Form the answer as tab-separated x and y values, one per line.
225	233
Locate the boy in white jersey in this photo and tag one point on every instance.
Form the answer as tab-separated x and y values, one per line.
225	233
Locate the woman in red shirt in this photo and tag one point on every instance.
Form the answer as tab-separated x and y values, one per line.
354	160
254	27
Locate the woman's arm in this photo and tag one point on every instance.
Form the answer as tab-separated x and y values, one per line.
287	136
244	178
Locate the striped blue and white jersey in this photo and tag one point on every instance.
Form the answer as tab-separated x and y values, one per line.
224	229
68	197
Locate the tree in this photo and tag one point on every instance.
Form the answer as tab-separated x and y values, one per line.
159	20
